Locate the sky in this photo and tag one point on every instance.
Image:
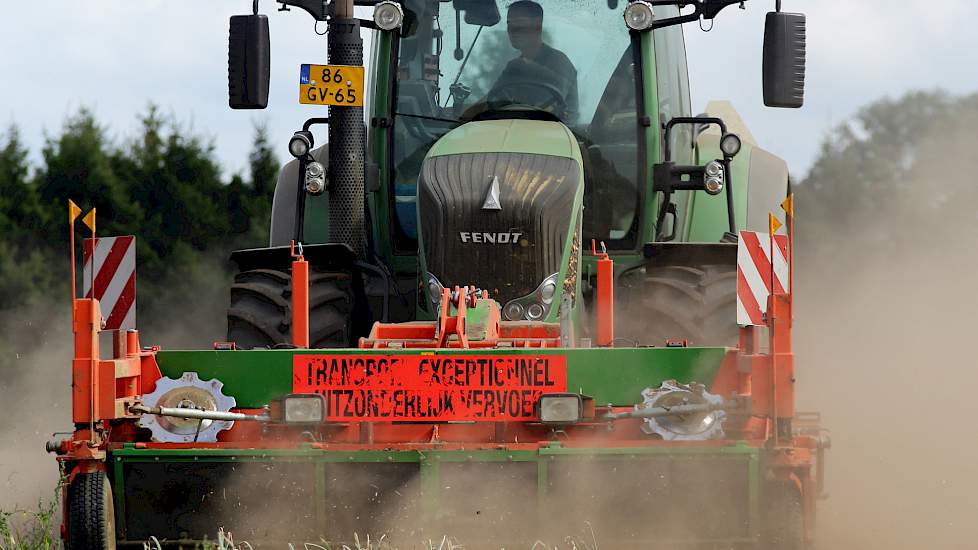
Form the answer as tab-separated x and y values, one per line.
118	56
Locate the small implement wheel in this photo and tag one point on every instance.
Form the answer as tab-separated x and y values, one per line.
91	518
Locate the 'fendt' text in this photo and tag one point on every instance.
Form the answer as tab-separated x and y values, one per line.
506	237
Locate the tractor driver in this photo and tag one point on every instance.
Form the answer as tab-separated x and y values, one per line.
541	76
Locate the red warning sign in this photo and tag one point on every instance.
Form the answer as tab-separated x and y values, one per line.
429	387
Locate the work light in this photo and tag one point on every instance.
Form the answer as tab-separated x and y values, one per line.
303	408
388	16
560	408
730	145
300	144
639	16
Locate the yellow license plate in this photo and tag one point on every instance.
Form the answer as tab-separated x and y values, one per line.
337	85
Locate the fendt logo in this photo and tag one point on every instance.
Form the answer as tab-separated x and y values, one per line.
482	237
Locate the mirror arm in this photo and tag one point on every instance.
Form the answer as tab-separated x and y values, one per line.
707	9
322	9
300	203
667	176
313	121
319	9
712	8
728	188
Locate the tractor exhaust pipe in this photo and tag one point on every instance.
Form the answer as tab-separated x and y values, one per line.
347	139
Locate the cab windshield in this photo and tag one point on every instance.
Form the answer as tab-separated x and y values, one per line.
572	61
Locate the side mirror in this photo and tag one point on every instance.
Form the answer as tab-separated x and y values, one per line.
479	12
784	60
249	62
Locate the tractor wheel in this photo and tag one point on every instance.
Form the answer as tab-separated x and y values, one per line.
261	309
91	518
679	302
783	526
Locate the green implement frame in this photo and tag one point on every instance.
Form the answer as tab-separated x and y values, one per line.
433	487
257	377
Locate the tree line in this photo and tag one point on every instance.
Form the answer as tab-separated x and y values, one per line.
164	184
898	177
899	173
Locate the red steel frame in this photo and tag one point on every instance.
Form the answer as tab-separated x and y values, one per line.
451	330
103	391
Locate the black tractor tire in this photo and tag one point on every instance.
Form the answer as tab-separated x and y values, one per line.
783	526
260	314
91	517
678	302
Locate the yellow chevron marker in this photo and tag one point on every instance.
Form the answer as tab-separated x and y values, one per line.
89	220
789	205
773	223
73	212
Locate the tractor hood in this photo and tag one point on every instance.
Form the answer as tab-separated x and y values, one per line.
499	205
509	136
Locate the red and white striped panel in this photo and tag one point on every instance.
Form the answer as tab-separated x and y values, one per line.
115	279
754	274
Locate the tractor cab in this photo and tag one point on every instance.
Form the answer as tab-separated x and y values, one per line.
575	63
500	140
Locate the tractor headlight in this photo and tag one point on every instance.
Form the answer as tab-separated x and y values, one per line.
434	288
304	409
730	144
513	311
547	290
639	16
388	16
536	305
560	408
301	143
315	178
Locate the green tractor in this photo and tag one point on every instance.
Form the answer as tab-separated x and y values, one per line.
500	304
496	143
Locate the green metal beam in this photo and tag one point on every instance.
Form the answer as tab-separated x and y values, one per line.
616	375
429	464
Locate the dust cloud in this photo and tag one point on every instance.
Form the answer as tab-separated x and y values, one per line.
35	401
35	378
886	320
884	339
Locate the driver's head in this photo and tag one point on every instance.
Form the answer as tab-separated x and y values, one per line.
525	25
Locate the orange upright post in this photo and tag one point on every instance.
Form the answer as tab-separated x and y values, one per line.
606	297
300	299
86	321
782	358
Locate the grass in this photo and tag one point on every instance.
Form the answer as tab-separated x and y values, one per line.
30	529
225	541
37	530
